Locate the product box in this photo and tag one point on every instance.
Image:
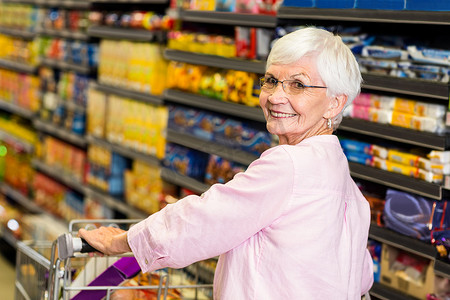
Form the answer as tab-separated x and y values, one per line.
402	279
436	5
124	268
335	4
299	3
381	4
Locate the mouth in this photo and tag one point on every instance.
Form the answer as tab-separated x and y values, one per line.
280	115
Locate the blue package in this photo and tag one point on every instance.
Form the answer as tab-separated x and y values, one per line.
335	4
359	157
255	141
381	4
191	121
355	146
299	3
186	161
435	5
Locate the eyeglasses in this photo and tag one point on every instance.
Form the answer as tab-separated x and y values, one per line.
292	87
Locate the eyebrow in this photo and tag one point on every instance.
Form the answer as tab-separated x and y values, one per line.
291	76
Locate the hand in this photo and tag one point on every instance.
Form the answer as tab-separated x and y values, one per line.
107	240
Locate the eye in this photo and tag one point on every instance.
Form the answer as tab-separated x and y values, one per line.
297	85
271	80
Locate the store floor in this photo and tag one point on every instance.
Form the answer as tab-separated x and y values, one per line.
7	277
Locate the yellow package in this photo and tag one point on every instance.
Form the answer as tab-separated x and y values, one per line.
403	158
405	105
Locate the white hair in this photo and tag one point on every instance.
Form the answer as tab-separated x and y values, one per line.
336	63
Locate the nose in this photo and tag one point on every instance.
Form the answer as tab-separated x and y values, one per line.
278	95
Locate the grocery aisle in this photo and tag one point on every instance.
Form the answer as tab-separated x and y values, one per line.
7	277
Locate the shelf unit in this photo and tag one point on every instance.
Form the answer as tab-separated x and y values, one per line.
435	91
420	88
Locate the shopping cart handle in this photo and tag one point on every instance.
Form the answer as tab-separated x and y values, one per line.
69	245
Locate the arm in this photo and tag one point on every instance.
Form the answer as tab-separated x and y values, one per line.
197	228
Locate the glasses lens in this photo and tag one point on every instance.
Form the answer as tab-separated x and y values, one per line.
294	87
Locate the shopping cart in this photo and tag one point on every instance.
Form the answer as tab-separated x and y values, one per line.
42	274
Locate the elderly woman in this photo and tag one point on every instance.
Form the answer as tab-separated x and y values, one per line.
292	226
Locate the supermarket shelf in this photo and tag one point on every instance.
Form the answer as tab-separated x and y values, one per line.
183	181
216	61
409	86
397	134
20	1
366	15
441	268
397	181
17	67
203	102
20	33
143	97
17	110
59	175
141	35
79	4
63	134
193	142
114	203
384	292
122	150
19	198
53	63
229	18
73	106
4	136
63	33
400	241
131	1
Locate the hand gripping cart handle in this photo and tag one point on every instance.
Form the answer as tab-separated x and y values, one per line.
69	245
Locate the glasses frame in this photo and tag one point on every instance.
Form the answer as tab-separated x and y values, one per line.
262	81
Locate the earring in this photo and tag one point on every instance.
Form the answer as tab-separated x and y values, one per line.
329	123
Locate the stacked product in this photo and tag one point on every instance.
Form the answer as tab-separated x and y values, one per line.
144	187
18	16
220	170
62	19
64	157
132	65
247	42
392	55
106	170
64	97
16	167
396	160
68	51
137	19
20	89
397	111
18	50
438	5
239	134
227	85
239	6
136	125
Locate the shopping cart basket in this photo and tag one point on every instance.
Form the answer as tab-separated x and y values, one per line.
42	274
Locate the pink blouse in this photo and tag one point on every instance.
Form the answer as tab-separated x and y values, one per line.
292	226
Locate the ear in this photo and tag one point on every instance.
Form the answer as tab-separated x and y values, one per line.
337	104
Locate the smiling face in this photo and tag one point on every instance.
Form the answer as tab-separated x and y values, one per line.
296	117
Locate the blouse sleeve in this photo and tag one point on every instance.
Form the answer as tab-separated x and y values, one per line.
200	227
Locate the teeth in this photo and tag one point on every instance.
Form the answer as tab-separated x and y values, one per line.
281	115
